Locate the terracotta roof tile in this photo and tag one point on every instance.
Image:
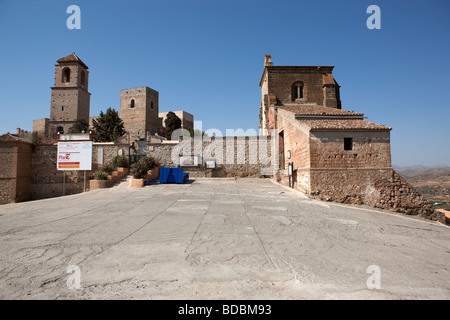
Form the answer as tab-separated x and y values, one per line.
8	137
318	110
72	58
342	124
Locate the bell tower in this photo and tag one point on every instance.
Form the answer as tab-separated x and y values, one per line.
70	96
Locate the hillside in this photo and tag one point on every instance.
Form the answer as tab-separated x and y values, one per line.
432	183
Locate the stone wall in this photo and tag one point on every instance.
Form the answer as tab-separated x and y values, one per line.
240	156
370	149
47	181
379	188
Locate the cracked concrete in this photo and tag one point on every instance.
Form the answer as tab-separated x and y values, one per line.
216	239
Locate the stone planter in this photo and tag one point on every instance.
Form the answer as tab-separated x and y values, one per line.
152	174
136	183
98	184
118	174
122	171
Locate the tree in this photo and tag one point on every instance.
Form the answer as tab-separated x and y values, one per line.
108	126
172	123
79	126
193	132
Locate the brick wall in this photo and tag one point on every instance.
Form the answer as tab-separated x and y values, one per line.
15	172
6	180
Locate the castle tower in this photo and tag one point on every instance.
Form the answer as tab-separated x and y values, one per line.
70	97
139	110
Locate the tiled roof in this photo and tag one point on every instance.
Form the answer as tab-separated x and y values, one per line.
318	110
8	137
342	124
72	58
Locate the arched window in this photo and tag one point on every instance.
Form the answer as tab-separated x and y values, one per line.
297	91
132	103
83	78
66	75
60	130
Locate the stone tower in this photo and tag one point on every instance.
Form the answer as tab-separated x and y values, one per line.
139	110
296	85
70	95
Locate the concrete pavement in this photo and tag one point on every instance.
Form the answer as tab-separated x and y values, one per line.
216	239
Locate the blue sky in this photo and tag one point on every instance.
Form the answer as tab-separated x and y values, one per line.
206	57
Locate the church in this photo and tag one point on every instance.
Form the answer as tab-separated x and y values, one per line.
322	141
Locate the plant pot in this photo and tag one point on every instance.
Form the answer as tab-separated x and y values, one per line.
98	184
136	183
152	174
122	170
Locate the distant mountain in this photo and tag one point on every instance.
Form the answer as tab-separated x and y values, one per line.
419	170
432	183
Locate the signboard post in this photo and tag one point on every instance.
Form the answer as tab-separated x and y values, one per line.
74	155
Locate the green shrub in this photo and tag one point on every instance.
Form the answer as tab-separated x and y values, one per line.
149	162
100	175
138	170
109	168
120	161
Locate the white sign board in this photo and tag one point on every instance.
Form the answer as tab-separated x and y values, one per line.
189	161
76	155
211	164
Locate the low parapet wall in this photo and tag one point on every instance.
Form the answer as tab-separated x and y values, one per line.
379	188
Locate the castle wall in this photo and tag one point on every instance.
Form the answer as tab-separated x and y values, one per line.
15	171
47	181
240	156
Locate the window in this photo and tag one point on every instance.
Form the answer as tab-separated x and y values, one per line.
66	75
132	103
297	91
60	130
348	143
151	104
62	108
83	78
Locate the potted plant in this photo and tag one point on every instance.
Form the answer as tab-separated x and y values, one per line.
152	167
109	169
139	172
121	163
100	180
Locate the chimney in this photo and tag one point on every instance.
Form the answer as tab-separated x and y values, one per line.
268	60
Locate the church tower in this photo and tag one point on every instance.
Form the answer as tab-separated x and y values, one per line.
70	96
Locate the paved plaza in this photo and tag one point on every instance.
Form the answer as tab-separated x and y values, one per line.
216	239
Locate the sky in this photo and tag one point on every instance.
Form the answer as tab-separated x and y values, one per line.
206	57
